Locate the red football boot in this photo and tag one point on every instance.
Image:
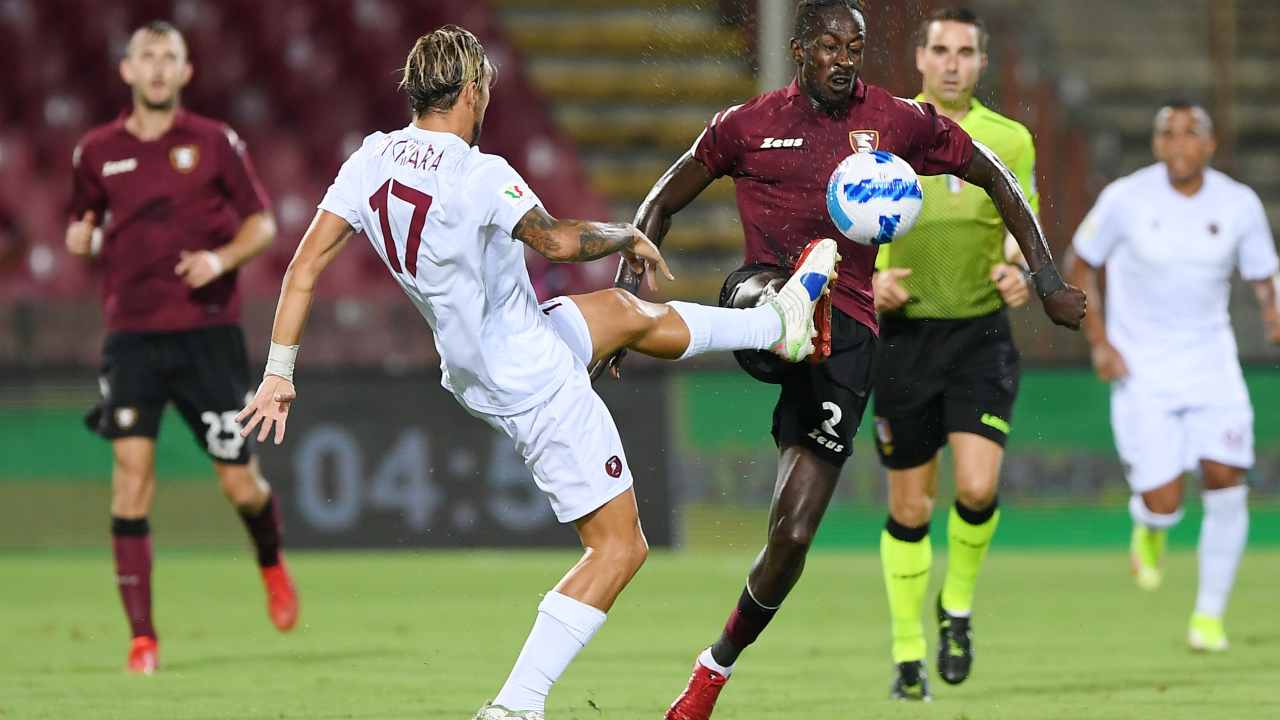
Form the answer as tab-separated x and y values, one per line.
821	311
143	655
282	597
699	697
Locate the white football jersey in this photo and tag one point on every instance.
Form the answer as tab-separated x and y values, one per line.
1169	260
440	215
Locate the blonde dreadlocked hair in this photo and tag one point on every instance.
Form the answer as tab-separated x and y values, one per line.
440	65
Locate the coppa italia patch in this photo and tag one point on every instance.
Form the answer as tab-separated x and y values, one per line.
514	192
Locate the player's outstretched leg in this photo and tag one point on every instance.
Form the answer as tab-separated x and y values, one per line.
679	330
805	486
245	487
575	609
132	488
1223	534
1153	512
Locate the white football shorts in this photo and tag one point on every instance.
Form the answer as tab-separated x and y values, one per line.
569	442
1158	439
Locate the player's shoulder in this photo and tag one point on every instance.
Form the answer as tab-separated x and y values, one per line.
1230	188
878	98
97	137
1004	127
206	126
1144	180
750	112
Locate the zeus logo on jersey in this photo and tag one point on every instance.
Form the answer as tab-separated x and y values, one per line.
774	143
117	167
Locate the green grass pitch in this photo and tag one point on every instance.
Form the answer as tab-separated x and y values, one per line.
432	635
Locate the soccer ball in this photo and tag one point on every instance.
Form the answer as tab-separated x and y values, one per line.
874	197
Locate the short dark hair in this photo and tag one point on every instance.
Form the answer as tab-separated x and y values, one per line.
155	27
807	12
954	14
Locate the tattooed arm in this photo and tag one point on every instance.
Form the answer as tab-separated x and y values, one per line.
583	240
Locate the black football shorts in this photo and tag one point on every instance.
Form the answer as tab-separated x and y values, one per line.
204	372
936	377
820	406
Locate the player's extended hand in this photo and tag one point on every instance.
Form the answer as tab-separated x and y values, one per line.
1108	362
80	235
1012	283
198	269
644	259
270	406
888	291
1065	306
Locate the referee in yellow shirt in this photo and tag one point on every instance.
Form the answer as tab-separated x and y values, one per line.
948	369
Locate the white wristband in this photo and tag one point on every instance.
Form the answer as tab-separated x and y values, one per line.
281	359
216	261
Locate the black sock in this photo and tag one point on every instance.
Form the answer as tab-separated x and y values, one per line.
264	530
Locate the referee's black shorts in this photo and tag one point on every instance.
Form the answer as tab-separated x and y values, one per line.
936	377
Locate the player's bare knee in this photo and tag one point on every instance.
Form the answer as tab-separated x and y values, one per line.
912	512
1164	500
241	486
792	538
976	495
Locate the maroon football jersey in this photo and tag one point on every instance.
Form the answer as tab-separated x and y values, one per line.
781	151
189	189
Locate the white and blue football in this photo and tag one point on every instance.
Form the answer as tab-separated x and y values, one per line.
874	197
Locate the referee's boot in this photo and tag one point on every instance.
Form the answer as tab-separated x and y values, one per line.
955	646
911	682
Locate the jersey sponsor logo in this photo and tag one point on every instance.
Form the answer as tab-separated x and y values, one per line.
184	158
827	436
514	192
613	466
779	143
864	140
126	417
119	167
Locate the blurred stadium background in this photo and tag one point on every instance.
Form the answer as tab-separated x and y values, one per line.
595	99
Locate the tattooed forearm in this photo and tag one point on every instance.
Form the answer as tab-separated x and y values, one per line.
572	240
595	240
535	229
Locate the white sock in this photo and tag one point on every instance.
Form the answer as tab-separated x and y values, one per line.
708	661
1143	515
563	627
1223	534
717	328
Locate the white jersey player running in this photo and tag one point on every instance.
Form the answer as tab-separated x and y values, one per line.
449	222
1171	235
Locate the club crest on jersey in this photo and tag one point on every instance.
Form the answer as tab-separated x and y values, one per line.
864	141
770	143
184	158
514	192
613	466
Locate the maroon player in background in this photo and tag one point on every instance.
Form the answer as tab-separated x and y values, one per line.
181	209
780	148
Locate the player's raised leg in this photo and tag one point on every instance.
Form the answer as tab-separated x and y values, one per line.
679	330
970	527
132	489
906	557
1223	534
251	496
